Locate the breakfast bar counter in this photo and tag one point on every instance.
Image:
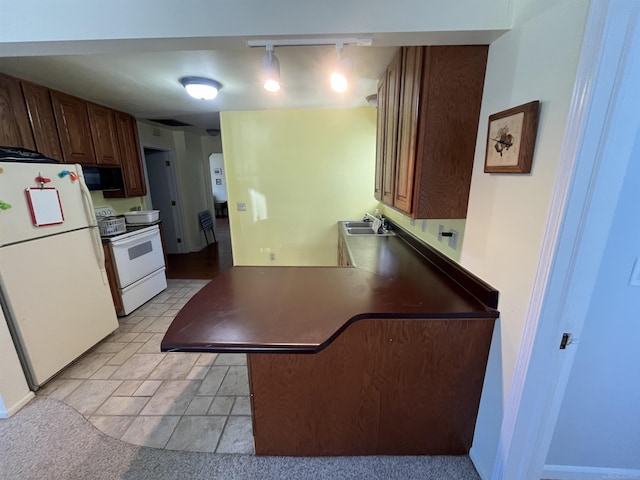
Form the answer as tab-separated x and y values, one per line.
385	357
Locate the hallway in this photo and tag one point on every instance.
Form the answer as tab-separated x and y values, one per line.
208	262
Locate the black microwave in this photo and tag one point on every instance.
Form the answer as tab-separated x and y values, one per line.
103	178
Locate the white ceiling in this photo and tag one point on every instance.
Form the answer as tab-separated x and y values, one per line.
146	84
129	55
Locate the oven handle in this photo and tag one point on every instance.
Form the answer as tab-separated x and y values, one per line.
93	225
136	238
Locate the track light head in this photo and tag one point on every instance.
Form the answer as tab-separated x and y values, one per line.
339	79
271	71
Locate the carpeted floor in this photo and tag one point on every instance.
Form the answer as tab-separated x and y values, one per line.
50	440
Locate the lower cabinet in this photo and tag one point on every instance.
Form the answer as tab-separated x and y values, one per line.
113	278
344	260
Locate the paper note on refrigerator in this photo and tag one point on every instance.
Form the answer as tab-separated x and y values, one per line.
45	206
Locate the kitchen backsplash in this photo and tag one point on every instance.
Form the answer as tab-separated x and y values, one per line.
119	205
427	230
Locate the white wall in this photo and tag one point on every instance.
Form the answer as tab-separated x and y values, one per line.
14	391
216	160
191	176
507	214
606	371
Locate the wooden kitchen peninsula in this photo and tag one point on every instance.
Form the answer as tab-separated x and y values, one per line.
383	358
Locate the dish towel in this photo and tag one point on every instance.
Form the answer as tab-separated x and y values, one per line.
377	223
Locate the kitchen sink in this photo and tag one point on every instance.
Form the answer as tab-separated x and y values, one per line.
357	224
363	228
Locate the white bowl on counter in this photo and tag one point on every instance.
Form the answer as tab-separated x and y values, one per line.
142	217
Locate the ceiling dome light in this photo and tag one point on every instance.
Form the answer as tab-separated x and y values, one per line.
271	70
340	77
201	88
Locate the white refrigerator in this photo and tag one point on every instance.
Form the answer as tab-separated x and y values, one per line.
54	288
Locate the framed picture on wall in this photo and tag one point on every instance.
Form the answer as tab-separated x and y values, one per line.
217	171
511	138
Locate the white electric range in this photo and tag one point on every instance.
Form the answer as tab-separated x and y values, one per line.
137	257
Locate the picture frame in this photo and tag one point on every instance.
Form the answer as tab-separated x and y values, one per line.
511	137
217	171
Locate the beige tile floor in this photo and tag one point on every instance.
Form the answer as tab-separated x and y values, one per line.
179	401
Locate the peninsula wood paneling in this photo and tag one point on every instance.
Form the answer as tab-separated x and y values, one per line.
383	387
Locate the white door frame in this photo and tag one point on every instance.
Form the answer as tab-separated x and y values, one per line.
177	212
601	129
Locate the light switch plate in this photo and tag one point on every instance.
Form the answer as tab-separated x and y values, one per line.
242	207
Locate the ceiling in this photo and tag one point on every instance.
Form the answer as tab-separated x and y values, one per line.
146	84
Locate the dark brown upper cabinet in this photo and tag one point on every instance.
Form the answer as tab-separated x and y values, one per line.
429	153
103	133
15	129
72	121
43	122
131	158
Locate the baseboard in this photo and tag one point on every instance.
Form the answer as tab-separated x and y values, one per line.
17	406
476	463
572	472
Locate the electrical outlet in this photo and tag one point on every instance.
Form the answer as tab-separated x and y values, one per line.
242	207
424	226
453	240
440	230
412	222
272	257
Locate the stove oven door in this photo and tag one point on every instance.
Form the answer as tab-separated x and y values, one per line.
137	256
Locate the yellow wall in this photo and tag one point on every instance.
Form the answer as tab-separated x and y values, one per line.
427	230
299	172
119	205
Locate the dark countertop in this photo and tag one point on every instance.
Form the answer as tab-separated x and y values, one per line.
302	309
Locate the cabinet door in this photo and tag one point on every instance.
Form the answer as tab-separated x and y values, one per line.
453	79
407	128
113	278
132	172
15	130
391	128
103	133
380	136
72	122
43	122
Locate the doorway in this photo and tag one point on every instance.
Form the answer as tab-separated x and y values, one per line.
164	197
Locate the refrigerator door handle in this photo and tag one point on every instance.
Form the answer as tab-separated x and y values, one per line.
97	241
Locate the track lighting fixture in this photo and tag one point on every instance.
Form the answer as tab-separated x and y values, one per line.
340	77
271	70
201	88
